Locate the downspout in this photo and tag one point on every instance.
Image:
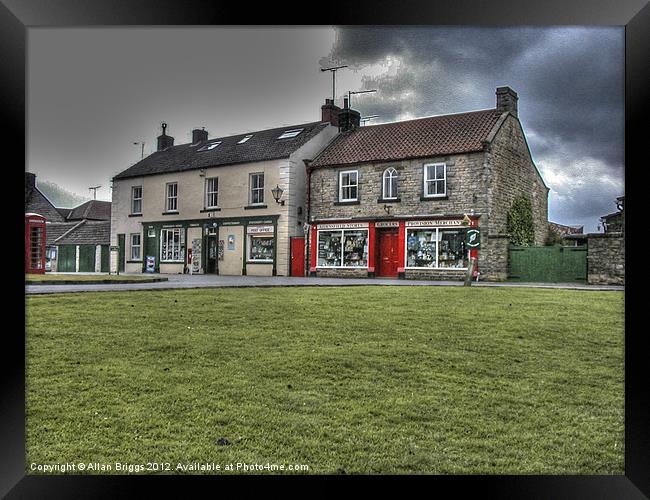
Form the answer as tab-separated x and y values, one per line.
308	219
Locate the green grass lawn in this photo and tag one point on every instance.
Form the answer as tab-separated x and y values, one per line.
439	380
34	278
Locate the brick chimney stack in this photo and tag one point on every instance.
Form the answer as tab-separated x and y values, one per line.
507	100
330	112
349	119
199	135
164	141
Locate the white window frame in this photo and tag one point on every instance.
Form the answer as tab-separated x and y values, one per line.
426	180
134	199
181	243
169	198
342	231
214	191
355	185
437	229
138	246
251	188
392	178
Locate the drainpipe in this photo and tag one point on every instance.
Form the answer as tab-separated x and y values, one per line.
308	218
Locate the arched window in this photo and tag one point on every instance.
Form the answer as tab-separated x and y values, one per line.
389	191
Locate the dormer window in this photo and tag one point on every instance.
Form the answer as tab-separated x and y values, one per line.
245	139
210	146
389	184
287	134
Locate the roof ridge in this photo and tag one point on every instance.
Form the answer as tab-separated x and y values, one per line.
253	132
428	118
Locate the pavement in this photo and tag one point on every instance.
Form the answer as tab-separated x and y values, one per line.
186	281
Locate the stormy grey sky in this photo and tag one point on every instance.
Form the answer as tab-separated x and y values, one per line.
92	92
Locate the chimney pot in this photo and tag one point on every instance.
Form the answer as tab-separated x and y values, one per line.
164	141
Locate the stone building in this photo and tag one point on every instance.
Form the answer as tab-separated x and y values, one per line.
412	199
210	207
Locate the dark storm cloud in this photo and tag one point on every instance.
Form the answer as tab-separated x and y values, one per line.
569	81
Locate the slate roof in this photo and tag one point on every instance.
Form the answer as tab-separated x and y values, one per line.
92	210
419	138
264	145
87	232
36	202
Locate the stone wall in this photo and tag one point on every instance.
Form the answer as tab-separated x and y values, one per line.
513	173
342	273
606	259
435	274
465	189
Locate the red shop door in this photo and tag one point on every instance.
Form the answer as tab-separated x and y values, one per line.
297	256
387	258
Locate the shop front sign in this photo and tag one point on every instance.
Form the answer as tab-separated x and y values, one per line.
434	223
346	225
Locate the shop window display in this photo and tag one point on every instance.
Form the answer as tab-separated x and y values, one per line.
172	245
261	248
436	248
421	248
343	248
453	253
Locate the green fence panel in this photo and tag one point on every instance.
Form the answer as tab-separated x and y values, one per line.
549	264
66	259
87	258
105	263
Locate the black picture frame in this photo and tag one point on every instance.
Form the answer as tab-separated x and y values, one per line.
17	16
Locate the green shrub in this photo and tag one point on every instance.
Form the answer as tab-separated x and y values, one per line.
520	222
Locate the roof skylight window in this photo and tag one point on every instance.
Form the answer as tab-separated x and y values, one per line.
245	139
210	146
291	133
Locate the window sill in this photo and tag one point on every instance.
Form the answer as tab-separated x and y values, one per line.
388	200
171	213
254	207
135	215
134	262
259	262
352	202
433	198
205	210
172	262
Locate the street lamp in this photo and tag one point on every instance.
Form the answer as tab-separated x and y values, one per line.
277	194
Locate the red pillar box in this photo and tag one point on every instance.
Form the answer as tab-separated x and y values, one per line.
34	244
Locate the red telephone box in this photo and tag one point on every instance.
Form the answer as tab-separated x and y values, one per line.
34	244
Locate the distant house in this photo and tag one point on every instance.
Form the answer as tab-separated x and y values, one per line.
615	222
77	239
